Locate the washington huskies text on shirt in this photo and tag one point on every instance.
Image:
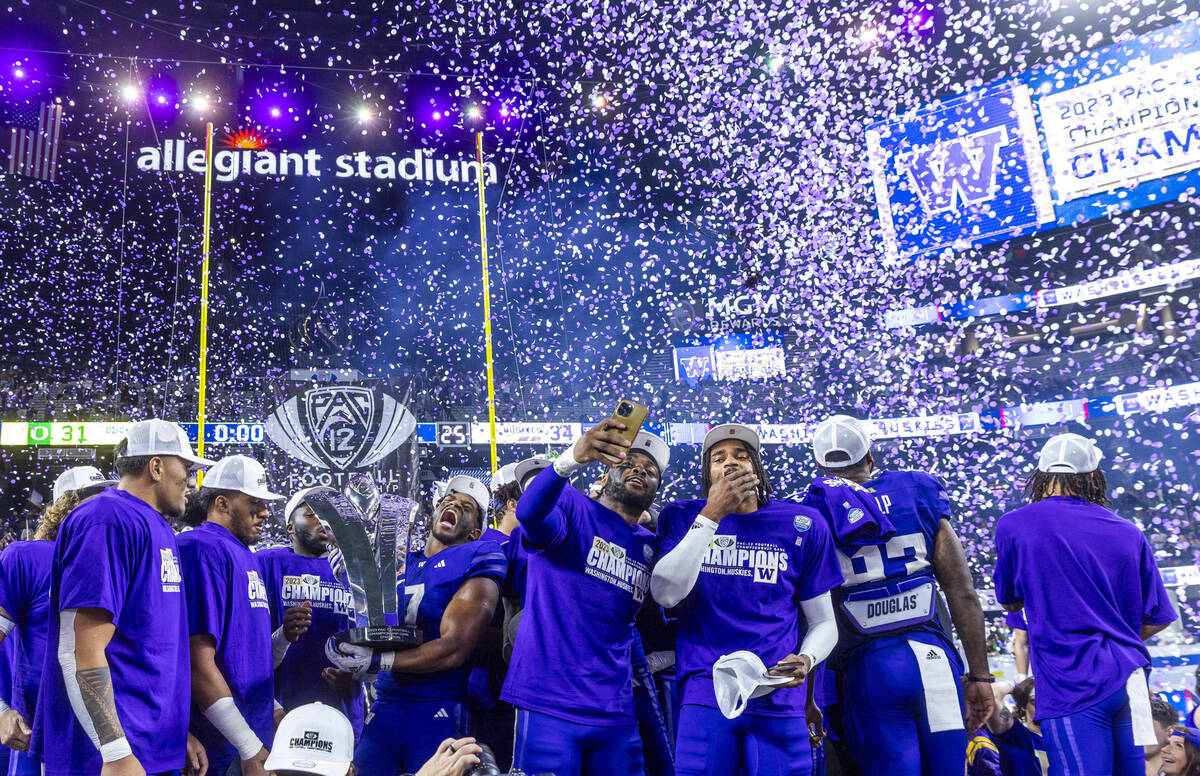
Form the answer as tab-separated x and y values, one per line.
171	576
256	591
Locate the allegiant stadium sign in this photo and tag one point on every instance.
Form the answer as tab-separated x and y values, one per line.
229	164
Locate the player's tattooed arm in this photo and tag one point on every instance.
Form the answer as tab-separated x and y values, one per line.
95	685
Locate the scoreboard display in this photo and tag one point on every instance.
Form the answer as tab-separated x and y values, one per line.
109	433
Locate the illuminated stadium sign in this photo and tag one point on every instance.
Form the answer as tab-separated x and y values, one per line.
745	356
109	433
1109	131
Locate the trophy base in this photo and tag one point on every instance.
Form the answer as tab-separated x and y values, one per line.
393	637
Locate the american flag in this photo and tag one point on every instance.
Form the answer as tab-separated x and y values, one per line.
34	142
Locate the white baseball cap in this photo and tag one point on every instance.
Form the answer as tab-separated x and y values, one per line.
1069	454
161	437
653	446
744	434
504	476
739	677
841	434
79	478
299	496
240	473
470	486
313	738
525	469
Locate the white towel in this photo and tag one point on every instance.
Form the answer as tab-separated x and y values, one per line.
1139	709
738	677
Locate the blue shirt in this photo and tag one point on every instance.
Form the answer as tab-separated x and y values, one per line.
517	554
894	567
758	568
1022	752
291	580
586	584
1089	581
228	601
25	595
428	586
114	552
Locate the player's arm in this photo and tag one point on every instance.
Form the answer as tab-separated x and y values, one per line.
1021	650
83	636
14	728
1153	629
464	621
211	693
542	523
1001	720
954	576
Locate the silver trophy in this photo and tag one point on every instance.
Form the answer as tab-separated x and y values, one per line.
370	558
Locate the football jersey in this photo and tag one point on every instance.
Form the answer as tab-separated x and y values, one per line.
758	567
25	595
424	593
292	580
890	586
227	600
487	673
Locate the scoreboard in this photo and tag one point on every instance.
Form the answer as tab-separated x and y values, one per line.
109	433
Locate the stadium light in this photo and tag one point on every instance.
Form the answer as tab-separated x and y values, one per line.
364	114
598	101
131	92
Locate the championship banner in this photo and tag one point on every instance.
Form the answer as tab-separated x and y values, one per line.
960	171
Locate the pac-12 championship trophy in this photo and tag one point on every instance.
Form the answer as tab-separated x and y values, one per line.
370	559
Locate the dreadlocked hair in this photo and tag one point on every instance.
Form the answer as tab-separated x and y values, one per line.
47	527
1089	487
763	489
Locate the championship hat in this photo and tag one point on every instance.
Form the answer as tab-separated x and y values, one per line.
525	469
297	499
743	434
653	446
470	486
240	473
161	437
1069	454
843	435
81	478
313	738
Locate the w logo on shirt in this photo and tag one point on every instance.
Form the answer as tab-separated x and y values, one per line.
958	173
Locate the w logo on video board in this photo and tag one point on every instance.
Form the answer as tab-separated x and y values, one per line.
961	171
340	427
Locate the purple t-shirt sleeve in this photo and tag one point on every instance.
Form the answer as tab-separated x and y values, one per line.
1003	578
821	570
540	510
96	565
205	588
12	588
669	521
1016	620
1156	605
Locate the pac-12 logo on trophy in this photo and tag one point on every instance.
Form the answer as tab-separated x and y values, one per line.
340	427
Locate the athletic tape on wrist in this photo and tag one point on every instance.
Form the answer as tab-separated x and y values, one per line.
115	750
279	645
565	463
385	661
4	706
6	625
229	722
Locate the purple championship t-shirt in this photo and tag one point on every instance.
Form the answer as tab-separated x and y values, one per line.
114	552
758	568
227	600
518	566
584	591
428	586
1089	582
291	580
25	595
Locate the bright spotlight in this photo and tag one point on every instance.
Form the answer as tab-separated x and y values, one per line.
598	101
474	112
275	113
130	92
364	114
200	103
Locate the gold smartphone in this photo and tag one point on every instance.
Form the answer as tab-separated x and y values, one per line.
633	415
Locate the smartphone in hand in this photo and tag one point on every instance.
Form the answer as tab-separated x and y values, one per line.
633	415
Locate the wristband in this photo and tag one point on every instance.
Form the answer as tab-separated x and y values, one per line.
4	706
6	625
230	723
385	661
115	750
565	463
989	679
